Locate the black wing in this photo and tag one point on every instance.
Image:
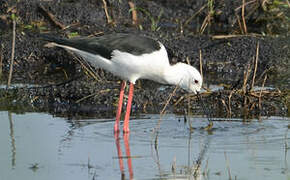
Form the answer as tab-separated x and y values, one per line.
105	45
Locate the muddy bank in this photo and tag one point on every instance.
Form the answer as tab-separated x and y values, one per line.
58	83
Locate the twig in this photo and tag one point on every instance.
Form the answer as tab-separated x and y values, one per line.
162	113
84	64
228	166
168	100
173	167
51	17
263	73
1	60
229	103
286	143
240	24
246	76
188	106
252	106
256	65
91	95
12	53
205	23
200	64
243	17
134	13
65	73
187	60
225	105
260	95
234	36
245	4
189	19
87	67
178	101
12	136
197	166
109	19
244	89
206	111
207	19
98	33
188	113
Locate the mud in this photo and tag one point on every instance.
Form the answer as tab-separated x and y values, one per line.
59	84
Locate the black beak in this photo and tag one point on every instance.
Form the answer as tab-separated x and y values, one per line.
206	111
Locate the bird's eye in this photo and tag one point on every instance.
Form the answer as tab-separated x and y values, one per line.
195	81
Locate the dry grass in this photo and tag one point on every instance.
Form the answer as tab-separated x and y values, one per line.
12	52
51	17
246	98
200	64
1	60
243	18
134	13
228	166
109	19
162	113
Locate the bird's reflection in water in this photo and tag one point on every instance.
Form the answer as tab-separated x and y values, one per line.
128	154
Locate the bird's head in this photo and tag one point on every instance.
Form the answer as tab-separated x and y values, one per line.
191	79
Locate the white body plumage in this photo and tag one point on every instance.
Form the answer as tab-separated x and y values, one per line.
151	65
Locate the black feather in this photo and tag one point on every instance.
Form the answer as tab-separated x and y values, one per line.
106	44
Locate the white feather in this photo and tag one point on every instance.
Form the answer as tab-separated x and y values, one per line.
153	66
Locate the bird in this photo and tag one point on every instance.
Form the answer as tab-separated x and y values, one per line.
130	57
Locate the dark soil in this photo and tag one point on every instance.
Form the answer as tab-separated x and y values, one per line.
56	82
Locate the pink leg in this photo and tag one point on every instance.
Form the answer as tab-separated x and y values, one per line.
128	154
119	110
128	110
117	140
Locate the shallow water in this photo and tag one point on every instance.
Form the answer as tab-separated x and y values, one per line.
40	146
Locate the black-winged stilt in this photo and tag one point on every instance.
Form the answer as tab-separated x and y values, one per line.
131	57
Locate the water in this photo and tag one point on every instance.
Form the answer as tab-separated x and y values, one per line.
40	146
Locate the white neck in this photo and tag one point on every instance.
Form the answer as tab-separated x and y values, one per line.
174	74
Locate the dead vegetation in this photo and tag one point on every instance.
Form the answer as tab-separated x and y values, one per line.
251	19
249	98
